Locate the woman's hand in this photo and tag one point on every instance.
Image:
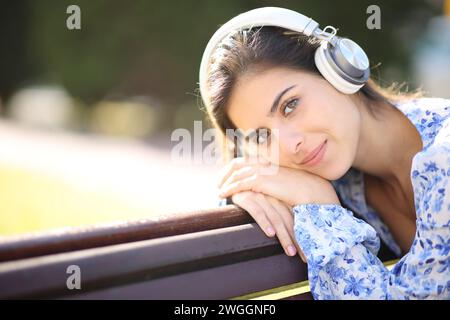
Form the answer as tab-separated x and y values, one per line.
291	186
272	216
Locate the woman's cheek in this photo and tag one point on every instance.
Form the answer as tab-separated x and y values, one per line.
336	161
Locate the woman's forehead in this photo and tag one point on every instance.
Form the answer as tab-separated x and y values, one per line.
253	96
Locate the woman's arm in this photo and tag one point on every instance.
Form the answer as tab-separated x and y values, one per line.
341	250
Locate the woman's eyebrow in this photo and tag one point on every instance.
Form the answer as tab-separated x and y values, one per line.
277	100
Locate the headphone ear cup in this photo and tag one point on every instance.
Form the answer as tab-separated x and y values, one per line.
321	59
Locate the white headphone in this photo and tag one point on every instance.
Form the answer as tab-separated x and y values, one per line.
340	60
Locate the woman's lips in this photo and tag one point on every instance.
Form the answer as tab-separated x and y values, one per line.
316	155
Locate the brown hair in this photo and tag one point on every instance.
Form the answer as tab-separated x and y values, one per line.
257	49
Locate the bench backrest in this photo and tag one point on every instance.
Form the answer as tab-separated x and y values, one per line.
211	254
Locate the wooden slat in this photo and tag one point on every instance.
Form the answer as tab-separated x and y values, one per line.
229	254
222	282
78	238
210	254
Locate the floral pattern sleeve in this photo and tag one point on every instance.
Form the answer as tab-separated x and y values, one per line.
341	249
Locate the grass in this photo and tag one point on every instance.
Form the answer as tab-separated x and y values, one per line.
32	201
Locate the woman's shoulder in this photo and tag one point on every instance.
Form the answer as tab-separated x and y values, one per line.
425	110
430	178
435	104
432	163
431	117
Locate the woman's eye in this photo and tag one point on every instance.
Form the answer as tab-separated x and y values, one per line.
262	136
289	107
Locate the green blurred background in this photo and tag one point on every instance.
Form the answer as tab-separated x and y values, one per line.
87	115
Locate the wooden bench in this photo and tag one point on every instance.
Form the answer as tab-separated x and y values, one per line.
211	254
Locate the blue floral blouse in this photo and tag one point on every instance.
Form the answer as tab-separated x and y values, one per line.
342	249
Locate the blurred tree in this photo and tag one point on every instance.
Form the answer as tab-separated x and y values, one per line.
15	58
154	47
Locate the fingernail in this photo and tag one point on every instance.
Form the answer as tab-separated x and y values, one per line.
291	250
270	231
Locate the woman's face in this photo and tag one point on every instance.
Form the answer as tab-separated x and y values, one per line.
307	111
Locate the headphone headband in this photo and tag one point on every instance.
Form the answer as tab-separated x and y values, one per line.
267	16
292	20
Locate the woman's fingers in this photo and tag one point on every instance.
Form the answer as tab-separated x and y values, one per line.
288	219
238	163
280	228
272	216
245	184
235	164
239	174
256	211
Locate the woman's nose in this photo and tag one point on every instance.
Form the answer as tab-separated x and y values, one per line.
291	142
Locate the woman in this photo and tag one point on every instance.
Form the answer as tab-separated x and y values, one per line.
374	152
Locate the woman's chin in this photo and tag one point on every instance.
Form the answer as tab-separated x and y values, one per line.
336	172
